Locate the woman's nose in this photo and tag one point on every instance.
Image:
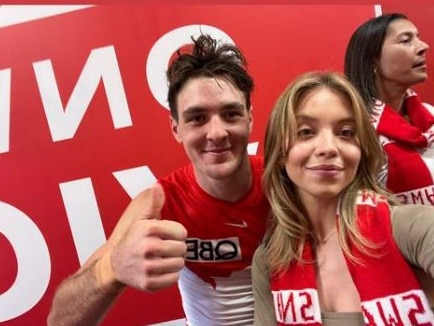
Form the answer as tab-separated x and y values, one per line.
423	46
326	145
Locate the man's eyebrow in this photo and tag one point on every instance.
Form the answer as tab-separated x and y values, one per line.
199	109
234	105
193	110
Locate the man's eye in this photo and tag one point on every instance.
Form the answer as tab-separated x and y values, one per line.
232	114
196	118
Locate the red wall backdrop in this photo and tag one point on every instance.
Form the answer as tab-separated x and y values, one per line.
83	125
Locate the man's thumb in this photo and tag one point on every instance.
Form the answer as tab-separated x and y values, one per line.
155	202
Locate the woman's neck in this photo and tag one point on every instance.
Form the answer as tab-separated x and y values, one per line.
393	95
395	102
322	215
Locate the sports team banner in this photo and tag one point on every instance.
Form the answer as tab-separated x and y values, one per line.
84	126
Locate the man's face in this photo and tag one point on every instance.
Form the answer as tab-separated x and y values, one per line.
214	126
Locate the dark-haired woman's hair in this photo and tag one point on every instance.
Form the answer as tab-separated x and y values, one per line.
363	49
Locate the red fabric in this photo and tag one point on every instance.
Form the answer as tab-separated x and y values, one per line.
403	143
384	283
210	220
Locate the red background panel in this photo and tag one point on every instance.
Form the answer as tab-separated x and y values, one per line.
280	42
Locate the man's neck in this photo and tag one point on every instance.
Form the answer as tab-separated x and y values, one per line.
232	188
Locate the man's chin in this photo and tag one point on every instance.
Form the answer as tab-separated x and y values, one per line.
221	170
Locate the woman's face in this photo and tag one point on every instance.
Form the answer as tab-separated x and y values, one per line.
325	155
403	55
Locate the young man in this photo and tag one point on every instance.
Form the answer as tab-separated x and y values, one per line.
213	211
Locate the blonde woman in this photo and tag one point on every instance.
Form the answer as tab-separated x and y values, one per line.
338	251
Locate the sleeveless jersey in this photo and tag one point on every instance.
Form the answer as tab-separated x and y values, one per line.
215	285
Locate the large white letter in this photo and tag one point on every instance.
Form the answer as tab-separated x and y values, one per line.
33	258
164	48
5	109
101	64
83	212
83	216
135	180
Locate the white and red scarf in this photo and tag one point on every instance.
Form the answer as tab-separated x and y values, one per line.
410	158
389	292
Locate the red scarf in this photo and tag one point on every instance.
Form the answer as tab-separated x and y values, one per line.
388	289
409	155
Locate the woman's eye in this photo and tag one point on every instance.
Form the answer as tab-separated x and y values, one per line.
347	133
304	132
405	40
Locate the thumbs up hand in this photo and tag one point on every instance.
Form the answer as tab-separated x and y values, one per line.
147	252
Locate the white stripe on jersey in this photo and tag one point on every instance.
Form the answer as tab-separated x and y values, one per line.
229	304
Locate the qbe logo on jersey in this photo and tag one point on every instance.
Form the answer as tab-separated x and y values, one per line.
200	250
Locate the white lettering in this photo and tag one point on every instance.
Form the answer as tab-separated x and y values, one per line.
33	258
135	180
252	148
82	208
424	196
5	101
407	308
101	65
83	216
297	306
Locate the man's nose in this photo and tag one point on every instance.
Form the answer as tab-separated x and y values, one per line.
217	129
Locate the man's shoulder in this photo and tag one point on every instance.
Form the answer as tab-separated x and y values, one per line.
180	176
257	163
180	185
257	159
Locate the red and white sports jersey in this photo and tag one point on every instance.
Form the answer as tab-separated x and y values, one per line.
216	285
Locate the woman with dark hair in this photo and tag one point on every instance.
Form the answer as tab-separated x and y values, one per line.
384	59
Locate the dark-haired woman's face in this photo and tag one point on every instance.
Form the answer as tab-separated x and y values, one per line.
403	56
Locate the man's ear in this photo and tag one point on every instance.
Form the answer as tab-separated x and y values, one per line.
251	118
174	128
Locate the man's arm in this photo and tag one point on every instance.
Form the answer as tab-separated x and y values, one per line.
82	300
143	252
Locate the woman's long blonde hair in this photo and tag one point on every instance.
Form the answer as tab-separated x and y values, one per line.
289	226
